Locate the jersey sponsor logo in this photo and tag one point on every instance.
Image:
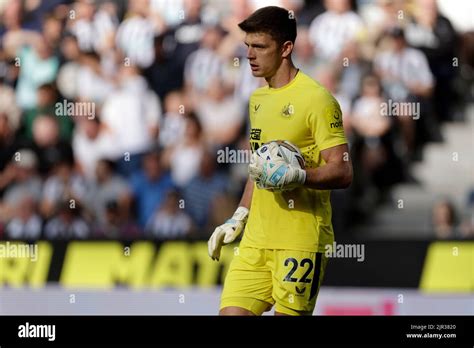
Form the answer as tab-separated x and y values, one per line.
288	110
255	133
300	291
337	115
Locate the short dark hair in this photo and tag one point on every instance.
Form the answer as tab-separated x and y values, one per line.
276	21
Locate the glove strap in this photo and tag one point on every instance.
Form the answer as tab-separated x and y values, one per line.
300	176
241	214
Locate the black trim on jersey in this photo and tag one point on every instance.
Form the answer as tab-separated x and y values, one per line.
317	274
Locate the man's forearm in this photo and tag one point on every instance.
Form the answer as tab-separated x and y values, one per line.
329	176
246	199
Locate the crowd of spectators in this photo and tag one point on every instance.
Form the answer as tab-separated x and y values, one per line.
112	112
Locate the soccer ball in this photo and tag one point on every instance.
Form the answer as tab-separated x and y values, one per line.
286	150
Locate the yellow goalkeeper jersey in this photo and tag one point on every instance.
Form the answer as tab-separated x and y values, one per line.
307	115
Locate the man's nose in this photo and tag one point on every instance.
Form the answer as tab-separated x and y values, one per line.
250	53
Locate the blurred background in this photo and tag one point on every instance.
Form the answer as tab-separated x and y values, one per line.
113	115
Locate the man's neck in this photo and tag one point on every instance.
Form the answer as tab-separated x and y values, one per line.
284	75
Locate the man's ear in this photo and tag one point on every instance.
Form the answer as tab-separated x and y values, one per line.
286	49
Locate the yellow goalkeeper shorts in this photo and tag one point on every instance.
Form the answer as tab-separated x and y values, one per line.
260	278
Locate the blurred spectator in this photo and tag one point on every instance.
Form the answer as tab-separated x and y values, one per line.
183	39
444	220
351	71
38	66
467	225
304	57
404	71
92	142
172	11
8	107
434	35
203	190
185	156
116	225
205	65
374	137
64	184
333	29
67	223
135	35
47	143
220	114
18	180
169	221
92	82
47	98
132	113
366	118
149	186
69	71
93	26
173	127
166	73
7	141
25	224
110	188
406	77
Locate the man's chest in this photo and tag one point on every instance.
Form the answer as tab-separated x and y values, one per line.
278	118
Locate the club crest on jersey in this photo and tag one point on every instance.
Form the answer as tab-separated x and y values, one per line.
288	110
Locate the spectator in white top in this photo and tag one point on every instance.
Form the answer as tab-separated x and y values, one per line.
205	64
402	69
184	158
333	29
133	114
221	115
366	118
135	35
92	28
172	11
406	77
26	223
91	142
174	121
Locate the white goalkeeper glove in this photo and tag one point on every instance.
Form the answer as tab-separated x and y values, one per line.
228	232
274	173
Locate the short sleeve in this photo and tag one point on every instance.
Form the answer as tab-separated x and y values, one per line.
325	121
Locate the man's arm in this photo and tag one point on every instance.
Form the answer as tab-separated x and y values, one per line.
246	199
335	174
230	230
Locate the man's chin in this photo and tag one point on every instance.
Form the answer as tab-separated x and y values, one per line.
257	73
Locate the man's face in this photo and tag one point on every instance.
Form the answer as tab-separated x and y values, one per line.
263	53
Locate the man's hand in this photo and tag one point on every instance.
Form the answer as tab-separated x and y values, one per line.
227	233
274	173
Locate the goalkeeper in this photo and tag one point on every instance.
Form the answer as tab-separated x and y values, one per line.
287	221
